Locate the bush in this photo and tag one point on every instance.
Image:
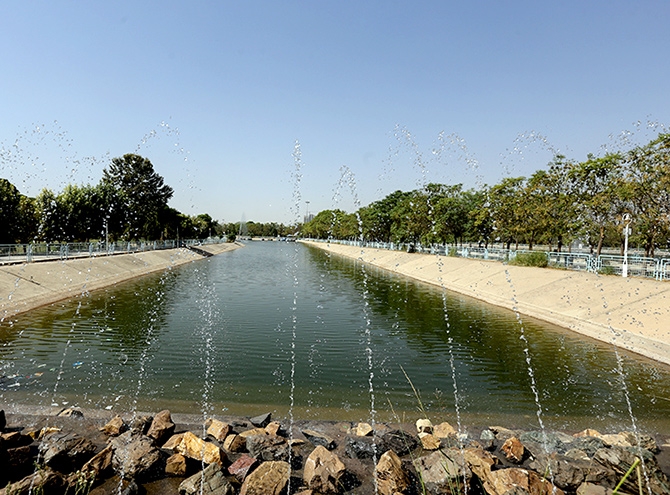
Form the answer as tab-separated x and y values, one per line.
607	270
538	259
453	251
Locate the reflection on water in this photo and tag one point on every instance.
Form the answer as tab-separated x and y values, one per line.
155	326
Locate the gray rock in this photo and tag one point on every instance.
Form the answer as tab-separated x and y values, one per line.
443	472
141	425
136	457
262	420
361	447
268	447
399	441
210	481
590	445
318	438
66	452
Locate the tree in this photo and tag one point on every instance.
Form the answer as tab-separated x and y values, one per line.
10	209
143	194
505	205
376	217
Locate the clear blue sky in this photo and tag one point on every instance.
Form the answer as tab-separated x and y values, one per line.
217	93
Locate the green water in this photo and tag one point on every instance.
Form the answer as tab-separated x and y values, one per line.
286	328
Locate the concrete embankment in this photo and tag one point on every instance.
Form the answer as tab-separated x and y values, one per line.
631	312
27	286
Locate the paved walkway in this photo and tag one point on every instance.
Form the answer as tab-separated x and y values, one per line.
633	313
29	285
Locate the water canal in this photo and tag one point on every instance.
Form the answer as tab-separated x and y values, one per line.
287	328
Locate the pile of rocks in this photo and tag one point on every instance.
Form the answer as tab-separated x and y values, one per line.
258	456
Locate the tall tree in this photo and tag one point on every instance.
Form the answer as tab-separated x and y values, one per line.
143	193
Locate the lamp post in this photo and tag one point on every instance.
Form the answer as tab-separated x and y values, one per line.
626	231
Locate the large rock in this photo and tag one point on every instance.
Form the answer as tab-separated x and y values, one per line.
399	441
43	481
161	427
391	477
100	464
235	443
270	478
137	457
360	447
210	481
114	427
242	467
318	438
176	465
324	472
444	472
268	447
514	450
620	459
66	452
193	447
262	420
502	481
362	430
217	429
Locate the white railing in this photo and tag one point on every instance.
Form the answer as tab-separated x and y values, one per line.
608	264
28	253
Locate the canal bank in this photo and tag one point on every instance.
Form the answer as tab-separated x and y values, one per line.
633	313
31	285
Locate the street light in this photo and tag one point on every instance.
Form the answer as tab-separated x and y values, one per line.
626	231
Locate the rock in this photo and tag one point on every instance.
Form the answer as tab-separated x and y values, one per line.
210	481
544	442
136	457
100	464
502	433
268	447
566	473
362	430
242	467
114	427
3	420
324	471
235	443
590	445
400	442
444	472
128	487
502	481
41	433
270	478
429	441
161	427
193	447
253	432
444	430
41	481
218	429
480	462
16	463
14	439
616	440
488	439
619	459
513	450
360	447
591	489
262	420
273	428
391	477
587	433
65	452
176	465
424	426
318	438
141	425
71	412
644	441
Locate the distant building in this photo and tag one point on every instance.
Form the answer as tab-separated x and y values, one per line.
308	218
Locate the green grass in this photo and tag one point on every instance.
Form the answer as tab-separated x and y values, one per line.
538	259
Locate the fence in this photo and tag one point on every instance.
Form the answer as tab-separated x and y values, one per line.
608	264
28	253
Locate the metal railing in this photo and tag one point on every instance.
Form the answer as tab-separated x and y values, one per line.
607	264
28	253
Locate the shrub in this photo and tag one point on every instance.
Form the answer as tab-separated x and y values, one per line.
537	258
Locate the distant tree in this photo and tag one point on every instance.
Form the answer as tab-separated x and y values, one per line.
10	210
143	195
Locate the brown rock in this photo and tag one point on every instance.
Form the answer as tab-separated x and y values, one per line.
235	443
270	478
391	477
363	430
100	463
193	447
424	426
161	427
115	427
253	432
71	412
217	429
444	430
591	489
445	471
504	480
176	465
273	428
43	480
513	450
210	481
587	433
137	457
66	452
480	462
242	467
323	471
429	441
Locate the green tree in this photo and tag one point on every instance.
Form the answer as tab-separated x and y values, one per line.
505	206
10	212
143	195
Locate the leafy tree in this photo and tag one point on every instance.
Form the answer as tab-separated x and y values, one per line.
10	209
142	192
376	217
505	205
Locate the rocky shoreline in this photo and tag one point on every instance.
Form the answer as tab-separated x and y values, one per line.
77	454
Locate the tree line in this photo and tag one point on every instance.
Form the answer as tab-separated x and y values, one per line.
566	201
129	203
